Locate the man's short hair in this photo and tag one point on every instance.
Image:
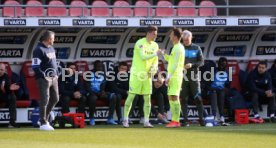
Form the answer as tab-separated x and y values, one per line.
222	59
123	64
177	32
46	35
263	62
97	62
151	28
70	64
158	76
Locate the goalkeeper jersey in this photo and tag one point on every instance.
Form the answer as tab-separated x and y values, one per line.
145	59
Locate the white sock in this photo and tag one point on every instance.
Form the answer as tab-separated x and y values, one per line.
272	115
256	116
126	119
146	120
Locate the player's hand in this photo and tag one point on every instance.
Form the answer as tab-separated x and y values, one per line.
167	81
14	86
161	52
103	94
268	93
188	66
77	95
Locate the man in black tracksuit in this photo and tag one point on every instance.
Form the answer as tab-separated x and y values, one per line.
159	94
191	86
119	86
260	86
7	95
71	88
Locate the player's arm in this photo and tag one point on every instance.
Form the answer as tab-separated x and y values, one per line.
141	51
154	66
200	59
36	61
174	63
166	57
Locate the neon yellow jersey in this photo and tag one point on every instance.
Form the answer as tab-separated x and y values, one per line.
145	59
176	60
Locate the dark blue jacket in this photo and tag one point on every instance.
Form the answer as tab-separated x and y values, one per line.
5	82
272	72
259	82
118	86
70	85
44	61
193	54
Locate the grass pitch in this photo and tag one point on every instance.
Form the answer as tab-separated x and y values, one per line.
105	136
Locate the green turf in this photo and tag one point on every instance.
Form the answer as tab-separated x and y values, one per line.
260	136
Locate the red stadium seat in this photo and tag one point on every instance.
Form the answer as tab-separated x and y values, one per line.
34	11
121	11
186	11
142	11
30	80
252	65
207	11
103	10
56	11
235	83
9	11
164	11
78	11
82	66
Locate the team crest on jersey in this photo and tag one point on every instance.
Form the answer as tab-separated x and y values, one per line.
152	49
51	55
140	46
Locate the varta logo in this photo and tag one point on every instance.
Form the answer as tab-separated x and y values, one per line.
101	53
83	22
215	21
183	22
266	50
14	22
117	22
150	22
248	21
9	53
49	22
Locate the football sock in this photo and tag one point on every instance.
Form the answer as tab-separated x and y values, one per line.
147	107
128	105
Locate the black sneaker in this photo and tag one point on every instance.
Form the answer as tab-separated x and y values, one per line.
201	122
13	125
273	120
185	124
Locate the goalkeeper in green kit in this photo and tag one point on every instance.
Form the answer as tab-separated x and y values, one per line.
144	66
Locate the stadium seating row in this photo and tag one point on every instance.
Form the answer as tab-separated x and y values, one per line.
33	93
121	8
